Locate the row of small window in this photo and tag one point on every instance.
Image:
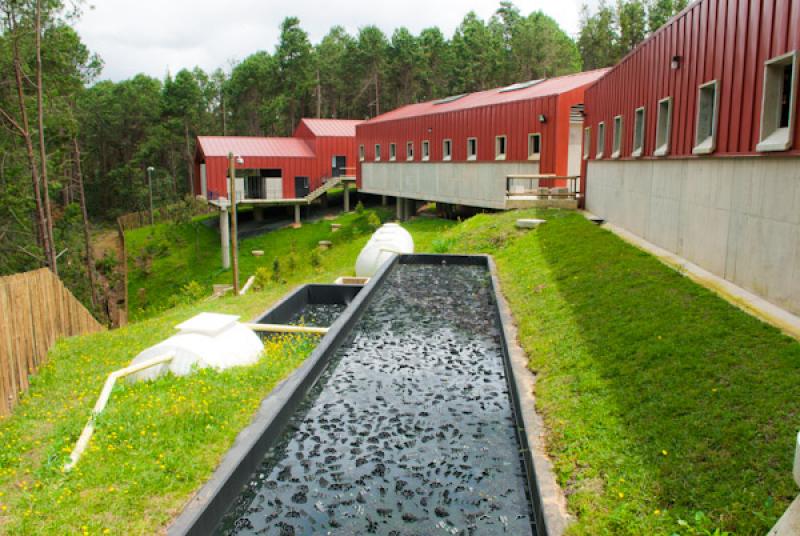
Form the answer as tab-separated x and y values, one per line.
500	149
777	116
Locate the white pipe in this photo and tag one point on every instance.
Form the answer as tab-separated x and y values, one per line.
246	287
102	400
284	328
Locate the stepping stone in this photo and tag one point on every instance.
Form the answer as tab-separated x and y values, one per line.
257	253
325	244
529	223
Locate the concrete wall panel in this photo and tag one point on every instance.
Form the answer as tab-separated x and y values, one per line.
738	218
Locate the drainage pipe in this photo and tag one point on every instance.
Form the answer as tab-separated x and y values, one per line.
246	287
285	328
105	394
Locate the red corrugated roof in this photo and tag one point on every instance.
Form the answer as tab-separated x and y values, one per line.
245	146
332	127
552	86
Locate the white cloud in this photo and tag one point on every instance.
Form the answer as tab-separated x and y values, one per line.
156	36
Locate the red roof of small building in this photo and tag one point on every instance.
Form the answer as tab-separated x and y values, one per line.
246	146
332	127
500	95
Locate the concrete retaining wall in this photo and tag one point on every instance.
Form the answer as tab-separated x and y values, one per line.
476	184
738	218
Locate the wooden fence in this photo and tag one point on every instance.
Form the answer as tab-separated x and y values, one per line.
35	310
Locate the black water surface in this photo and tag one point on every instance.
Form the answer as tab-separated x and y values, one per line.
409	431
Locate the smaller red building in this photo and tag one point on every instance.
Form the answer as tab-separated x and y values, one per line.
277	168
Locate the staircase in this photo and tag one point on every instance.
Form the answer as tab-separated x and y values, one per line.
328	185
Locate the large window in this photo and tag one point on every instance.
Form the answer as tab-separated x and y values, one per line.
638	132
410	150
361	153
377	152
706	128
392	152
587	142
472	148
778	103
447	150
663	127
601	139
534	146
426	150
500	143
616	148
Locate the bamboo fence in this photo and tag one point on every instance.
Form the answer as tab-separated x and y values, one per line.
36	309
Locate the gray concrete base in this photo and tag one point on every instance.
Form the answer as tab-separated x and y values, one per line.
737	217
789	523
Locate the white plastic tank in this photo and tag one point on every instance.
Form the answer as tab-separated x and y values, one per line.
391	239
206	340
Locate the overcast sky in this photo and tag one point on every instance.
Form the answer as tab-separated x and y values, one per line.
157	36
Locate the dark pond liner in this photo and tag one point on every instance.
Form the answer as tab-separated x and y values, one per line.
205	511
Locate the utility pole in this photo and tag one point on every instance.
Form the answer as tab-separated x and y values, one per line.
234	237
150	170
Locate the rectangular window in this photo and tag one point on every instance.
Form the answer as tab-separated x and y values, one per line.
534	146
616	148
587	142
426	150
472	148
392	152
663	127
706	128
500	143
601	139
447	149
361	153
377	152
410	150
777	103
638	132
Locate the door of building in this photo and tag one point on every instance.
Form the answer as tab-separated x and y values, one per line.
301	187
339	165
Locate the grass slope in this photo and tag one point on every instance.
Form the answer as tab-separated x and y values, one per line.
164	259
157	442
664	402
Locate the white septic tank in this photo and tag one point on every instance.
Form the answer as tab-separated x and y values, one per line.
206	340
391	239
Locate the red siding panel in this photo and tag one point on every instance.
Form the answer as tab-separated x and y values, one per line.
726	40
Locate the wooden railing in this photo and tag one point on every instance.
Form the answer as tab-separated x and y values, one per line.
36	309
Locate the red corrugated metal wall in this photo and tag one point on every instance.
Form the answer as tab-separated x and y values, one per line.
316	169
726	40
515	120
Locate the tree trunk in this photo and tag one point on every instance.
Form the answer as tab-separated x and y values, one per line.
48	213
86	231
24	131
189	160
319	97
377	95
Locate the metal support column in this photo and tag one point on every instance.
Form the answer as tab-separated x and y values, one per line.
225	237
297	214
346	196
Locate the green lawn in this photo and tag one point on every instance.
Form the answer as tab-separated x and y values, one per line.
662	399
164	259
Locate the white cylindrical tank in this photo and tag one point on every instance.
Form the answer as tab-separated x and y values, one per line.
391	239
206	340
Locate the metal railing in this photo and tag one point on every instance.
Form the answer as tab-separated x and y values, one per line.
542	185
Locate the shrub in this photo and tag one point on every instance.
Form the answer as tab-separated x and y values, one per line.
276	271
262	279
316	259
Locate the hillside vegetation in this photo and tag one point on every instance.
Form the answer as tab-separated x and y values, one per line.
669	410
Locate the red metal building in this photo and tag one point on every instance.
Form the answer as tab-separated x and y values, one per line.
692	143
727	41
520	129
277	168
